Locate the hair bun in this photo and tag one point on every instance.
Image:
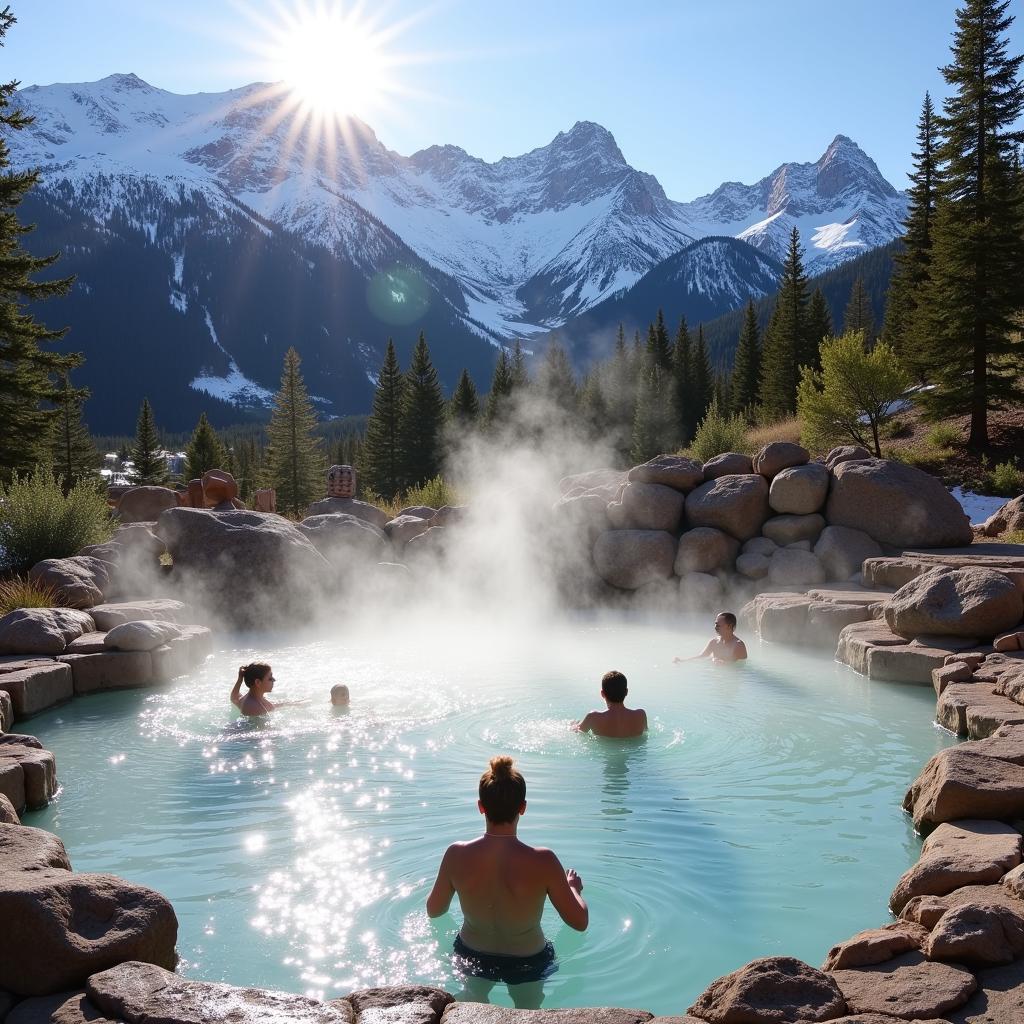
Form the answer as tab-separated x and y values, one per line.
501	767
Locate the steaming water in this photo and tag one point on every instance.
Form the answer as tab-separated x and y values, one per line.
762	814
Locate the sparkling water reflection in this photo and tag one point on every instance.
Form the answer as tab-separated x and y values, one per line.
760	816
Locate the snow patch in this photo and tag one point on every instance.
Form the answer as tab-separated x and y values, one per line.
977	506
235	387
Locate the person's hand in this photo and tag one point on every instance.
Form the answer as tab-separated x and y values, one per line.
574	880
241	672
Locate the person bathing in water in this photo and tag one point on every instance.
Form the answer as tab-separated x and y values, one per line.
724	648
618	721
502	884
259	678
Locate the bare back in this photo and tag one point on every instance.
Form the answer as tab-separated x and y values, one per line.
618	722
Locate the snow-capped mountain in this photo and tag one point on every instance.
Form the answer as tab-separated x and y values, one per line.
531	240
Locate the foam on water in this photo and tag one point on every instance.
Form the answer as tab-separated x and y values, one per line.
761	815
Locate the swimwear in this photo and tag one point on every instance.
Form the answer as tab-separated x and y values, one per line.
511	969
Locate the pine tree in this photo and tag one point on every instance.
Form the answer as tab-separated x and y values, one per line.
30	391
703	383
620	389
976	280
422	419
204	450
594	408
147	455
656	422
659	348
465	405
746	370
556	379
74	454
499	398
819	324
787	344
520	377
382	458
295	463
682	382
858	315
911	267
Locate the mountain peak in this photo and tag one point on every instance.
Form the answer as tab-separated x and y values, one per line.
129	82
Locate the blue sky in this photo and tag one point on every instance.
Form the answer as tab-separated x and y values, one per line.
695	92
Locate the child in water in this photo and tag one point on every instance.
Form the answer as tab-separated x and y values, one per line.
259	678
340	696
726	647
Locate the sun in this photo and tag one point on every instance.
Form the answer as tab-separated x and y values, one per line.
332	61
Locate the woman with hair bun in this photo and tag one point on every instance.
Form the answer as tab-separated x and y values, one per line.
259	678
502	885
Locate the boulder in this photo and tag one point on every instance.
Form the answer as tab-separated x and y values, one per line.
799	490
857	639
31	849
643	506
955	602
847	453
789	566
144	504
141	993
827	619
6	711
928	910
782	618
842	550
219	488
774	988
583	514
607	480
63	1008
404	527
705	549
37	687
419	1004
800	545
977	933
138	538
78	581
960	782
777	456
896	504
107	616
61	927
630	558
760	546
950	672
42	630
8	816
907	986
1006	518
352	507
959	853
737	504
342	538
788	529
264	557
418	512
700	591
87	643
903	663
893	572
728	464
876	945
170	660
28	774
109	670
753	566
999	998
140	635
482	1013
1009	642
676	471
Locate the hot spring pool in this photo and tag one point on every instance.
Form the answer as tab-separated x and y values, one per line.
762	814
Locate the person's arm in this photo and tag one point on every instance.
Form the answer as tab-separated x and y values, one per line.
440	898
587	724
564	891
236	691
695	657
644	719
741	651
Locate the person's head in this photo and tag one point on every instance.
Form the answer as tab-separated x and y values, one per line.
725	623
258	677
502	791
613	687
340	695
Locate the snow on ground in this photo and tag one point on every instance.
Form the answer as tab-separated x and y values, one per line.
977	506
235	386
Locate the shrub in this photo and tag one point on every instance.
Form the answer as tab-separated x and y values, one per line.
943	435
20	592
778	430
1006	479
37	520
435	493
719	433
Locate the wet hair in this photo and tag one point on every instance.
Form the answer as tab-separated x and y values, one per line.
502	790
253	671
729	617
613	686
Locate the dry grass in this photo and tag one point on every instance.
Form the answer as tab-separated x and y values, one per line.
783	430
21	592
1010	537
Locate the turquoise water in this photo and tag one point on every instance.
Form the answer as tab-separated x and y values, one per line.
761	816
